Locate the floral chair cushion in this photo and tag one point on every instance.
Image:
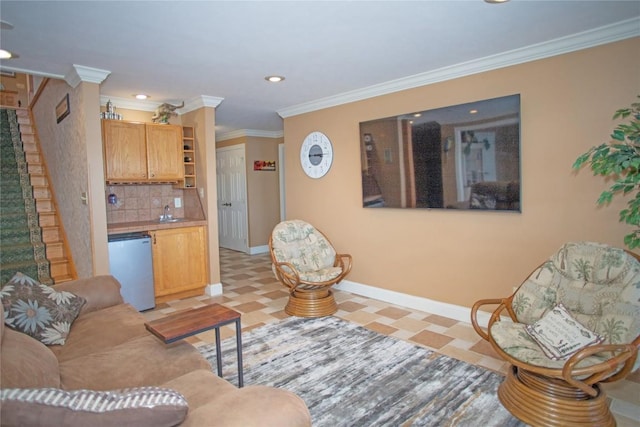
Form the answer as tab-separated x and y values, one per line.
301	245
39	310
598	284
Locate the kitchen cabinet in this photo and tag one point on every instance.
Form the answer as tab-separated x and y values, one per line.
179	262
142	152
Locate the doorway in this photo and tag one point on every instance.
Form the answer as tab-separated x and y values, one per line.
232	198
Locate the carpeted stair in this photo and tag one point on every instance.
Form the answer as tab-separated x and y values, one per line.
21	246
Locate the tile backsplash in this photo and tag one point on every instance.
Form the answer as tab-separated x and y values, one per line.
142	202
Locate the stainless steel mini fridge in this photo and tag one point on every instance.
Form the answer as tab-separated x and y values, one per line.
130	262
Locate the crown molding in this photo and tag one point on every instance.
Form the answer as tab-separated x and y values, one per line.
249	133
200	102
608	34
80	73
147	105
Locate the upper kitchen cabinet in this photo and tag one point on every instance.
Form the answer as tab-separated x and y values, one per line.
142	152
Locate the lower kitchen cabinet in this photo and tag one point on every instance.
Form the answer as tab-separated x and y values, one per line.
179	262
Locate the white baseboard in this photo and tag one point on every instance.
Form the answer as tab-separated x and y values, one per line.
451	311
213	290
259	250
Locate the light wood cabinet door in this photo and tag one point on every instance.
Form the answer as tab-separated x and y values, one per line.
179	260
165	152
125	151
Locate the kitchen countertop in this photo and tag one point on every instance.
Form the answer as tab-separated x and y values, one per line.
132	227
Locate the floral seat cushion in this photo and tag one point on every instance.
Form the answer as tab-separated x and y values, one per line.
514	340
304	247
598	284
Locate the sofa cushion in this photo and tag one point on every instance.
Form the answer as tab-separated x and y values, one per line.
39	310
139	362
145	406
99	291
101	330
26	362
208	394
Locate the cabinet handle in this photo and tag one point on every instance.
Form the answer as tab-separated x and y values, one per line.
153	174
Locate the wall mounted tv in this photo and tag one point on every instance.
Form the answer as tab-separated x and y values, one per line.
463	156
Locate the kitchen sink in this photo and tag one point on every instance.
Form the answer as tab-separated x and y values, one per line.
162	220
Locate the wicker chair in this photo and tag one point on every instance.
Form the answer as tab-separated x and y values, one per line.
599	286
304	260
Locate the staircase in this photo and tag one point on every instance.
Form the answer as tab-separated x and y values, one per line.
52	234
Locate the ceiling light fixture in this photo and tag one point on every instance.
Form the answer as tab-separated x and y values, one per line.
495	1
5	54
141	96
473	111
274	79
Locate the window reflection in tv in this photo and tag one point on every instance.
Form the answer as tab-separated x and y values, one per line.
458	157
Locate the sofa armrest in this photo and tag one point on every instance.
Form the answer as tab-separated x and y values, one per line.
99	291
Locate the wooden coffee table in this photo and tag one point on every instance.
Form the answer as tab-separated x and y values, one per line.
191	322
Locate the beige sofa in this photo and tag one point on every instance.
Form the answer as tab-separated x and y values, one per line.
108	348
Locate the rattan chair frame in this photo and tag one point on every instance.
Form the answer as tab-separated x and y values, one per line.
309	299
543	396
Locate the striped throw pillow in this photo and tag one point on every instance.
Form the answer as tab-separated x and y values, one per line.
142	406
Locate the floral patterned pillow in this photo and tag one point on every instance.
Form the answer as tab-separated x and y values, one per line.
39	310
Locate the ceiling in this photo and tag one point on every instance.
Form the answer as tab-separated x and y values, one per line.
328	51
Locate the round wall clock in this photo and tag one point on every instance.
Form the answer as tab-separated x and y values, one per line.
316	155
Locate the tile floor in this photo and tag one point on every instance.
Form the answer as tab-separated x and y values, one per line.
251	289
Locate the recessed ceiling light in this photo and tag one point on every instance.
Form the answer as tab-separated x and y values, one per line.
5	54
473	111
417	115
274	79
141	96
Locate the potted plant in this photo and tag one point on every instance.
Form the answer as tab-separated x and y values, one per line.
619	160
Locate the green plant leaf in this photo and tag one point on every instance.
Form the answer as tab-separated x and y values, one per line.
619	161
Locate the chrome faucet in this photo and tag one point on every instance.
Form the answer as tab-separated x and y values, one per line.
166	216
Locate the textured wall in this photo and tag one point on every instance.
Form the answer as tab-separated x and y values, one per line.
64	148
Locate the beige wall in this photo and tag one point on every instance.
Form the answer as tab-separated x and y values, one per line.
263	191
73	152
203	121
459	257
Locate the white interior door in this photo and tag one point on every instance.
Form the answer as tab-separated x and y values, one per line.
232	198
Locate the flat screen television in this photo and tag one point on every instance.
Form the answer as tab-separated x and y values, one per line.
463	156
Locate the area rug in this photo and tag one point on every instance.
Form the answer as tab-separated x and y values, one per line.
351	376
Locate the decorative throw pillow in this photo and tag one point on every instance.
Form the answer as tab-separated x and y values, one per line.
559	335
143	406
39	310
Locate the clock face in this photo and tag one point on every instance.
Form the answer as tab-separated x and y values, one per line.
316	155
